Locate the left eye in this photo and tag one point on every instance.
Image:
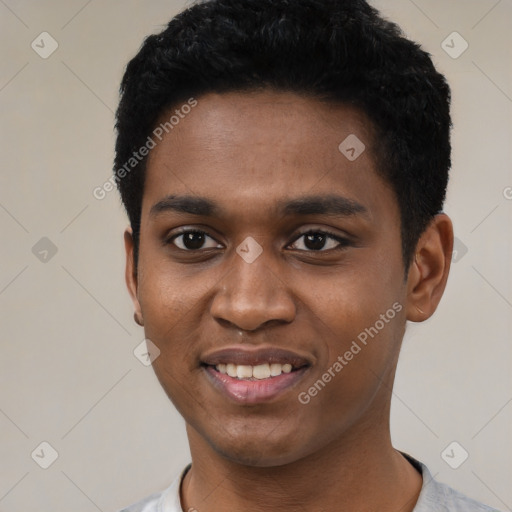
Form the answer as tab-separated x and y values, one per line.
193	240
319	241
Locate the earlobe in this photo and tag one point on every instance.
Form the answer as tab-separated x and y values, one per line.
428	272
138	319
131	276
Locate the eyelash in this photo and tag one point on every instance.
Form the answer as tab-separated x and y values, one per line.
343	242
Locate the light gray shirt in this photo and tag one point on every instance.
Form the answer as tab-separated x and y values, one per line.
434	496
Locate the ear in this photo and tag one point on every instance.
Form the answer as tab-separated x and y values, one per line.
429	269
131	275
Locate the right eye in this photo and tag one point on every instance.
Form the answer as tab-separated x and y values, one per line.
193	240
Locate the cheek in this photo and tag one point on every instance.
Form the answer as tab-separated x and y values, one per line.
170	317
365	333
359	323
166	297
348	301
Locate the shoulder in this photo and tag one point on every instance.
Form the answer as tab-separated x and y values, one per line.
148	504
459	501
438	497
164	501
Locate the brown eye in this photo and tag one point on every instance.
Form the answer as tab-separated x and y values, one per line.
193	241
319	241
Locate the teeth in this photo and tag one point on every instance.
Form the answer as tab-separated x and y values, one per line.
276	369
244	371
260	371
231	370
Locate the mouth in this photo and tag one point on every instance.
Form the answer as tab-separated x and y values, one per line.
254	376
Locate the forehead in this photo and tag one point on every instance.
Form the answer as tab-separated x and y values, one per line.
252	149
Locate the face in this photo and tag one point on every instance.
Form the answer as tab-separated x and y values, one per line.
265	245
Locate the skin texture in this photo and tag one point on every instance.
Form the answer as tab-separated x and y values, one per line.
248	152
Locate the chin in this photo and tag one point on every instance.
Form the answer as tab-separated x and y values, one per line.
260	450
257	459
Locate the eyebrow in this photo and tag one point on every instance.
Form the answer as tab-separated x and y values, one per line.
332	205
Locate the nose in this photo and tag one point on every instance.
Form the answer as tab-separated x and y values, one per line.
252	295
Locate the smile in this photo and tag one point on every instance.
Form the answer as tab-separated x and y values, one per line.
249	375
250	390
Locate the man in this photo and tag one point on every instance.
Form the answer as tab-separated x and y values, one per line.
284	166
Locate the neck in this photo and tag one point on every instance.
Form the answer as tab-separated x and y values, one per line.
360	471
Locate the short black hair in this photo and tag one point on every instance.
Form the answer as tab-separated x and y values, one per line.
332	50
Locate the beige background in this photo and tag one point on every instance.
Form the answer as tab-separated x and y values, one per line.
68	375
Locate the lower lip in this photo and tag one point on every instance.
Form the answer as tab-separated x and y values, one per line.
253	391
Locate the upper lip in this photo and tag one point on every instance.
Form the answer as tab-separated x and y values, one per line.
242	355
